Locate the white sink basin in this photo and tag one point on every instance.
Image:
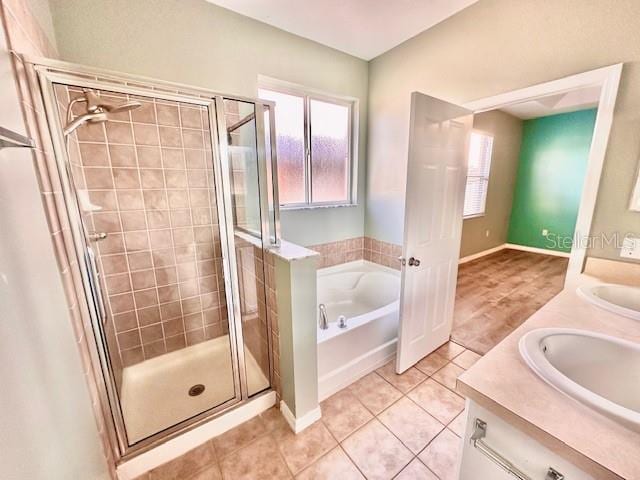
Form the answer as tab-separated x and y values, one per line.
618	299
600	371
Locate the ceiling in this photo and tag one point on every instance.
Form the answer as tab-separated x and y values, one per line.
572	101
363	28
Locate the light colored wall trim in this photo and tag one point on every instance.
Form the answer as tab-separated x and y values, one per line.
483	253
512	246
543	251
609	79
299	424
180	445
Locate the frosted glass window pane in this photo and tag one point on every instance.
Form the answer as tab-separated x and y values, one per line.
289	120
329	152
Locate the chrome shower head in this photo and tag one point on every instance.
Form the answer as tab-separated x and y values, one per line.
94	117
96	103
98	110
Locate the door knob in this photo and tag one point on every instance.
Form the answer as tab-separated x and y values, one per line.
414	262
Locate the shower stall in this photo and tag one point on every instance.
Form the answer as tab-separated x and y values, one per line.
172	201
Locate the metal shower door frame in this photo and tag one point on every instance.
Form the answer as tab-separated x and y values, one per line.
50	72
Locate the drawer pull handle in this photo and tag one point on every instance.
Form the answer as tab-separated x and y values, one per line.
477	438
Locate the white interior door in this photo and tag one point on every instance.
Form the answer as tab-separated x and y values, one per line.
436	177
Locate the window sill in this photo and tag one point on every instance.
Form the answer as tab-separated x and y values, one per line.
477	215
284	208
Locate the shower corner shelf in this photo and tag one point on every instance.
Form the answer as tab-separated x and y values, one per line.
9	138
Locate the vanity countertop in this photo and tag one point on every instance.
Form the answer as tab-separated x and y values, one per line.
503	383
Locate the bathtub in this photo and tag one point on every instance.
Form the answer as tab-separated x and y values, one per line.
367	295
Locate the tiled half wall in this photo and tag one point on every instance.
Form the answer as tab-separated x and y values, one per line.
358	248
256	278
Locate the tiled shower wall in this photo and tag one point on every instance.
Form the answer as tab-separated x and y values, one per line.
253	302
150	173
272	321
358	248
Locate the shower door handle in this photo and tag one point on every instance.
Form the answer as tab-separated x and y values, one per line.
97	236
94	281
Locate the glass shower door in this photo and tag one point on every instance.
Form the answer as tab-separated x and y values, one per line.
146	195
243	134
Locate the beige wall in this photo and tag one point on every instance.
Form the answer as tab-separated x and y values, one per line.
496	46
507	136
47	428
195	42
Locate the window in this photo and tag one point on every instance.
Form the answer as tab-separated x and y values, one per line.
314	146
475	195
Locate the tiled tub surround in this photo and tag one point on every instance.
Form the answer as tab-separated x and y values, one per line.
358	248
146	179
342	251
383	253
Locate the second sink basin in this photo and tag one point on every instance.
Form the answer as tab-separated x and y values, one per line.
601	371
618	299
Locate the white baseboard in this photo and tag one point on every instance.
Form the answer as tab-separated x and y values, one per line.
299	424
189	440
543	251
489	251
513	246
337	379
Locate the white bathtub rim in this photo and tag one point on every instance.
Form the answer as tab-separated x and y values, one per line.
349	265
357	321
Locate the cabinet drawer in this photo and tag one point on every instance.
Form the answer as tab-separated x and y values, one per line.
525	453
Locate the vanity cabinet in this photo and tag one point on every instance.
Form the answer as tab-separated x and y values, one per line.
511	445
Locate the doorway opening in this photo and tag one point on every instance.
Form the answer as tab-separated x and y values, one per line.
526	168
434	211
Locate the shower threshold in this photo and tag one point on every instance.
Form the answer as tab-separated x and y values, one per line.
156	392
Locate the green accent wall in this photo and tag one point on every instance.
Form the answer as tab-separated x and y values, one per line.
551	170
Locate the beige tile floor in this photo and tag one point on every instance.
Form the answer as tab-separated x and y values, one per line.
381	427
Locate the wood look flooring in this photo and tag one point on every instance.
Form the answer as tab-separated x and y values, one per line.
498	292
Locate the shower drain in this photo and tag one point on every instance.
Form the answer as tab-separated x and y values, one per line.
196	390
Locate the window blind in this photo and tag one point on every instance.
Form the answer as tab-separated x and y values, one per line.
479	166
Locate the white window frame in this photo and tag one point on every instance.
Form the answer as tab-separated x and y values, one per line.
308	94
483	212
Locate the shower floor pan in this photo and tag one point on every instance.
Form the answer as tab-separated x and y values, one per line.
156	392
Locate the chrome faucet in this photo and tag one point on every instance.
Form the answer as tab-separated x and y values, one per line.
324	322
